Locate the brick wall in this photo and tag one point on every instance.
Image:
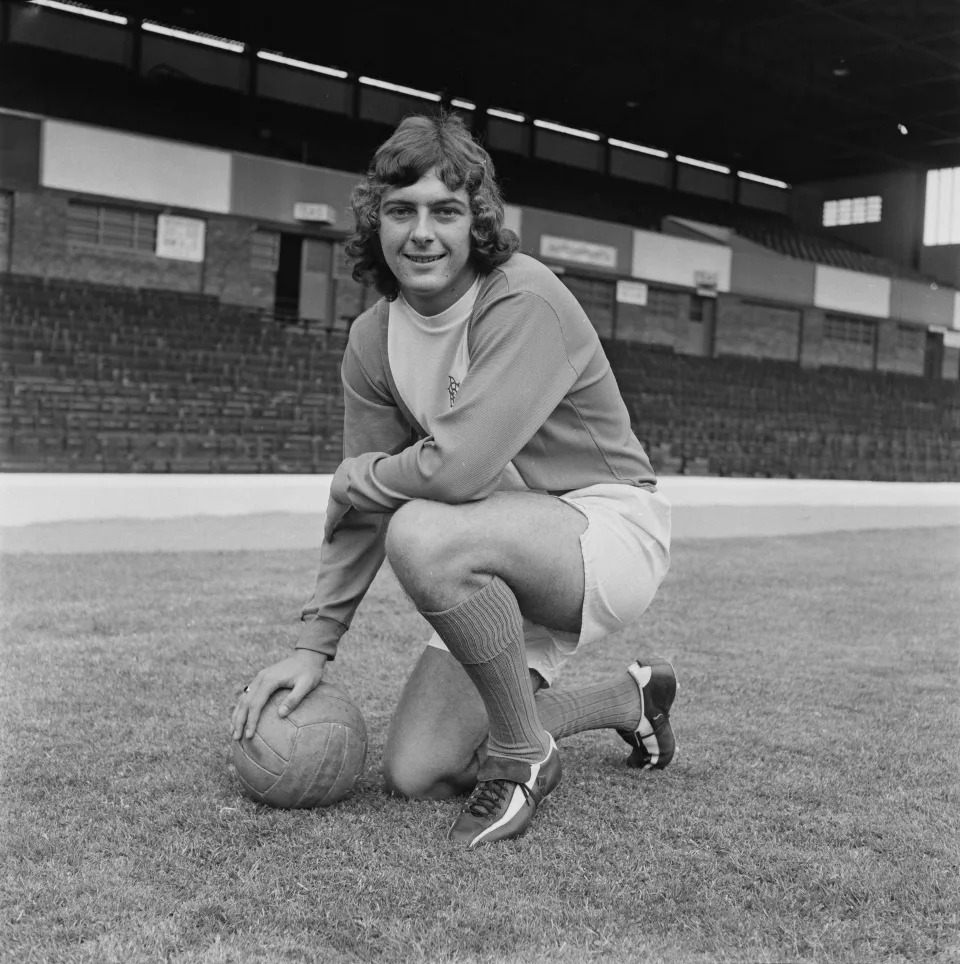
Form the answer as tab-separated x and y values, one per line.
769	331
40	248
846	354
909	361
887	358
811	337
757	330
692	336
662	321
227	273
951	363
6	221
892	356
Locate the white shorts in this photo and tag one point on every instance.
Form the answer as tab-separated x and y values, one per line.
626	555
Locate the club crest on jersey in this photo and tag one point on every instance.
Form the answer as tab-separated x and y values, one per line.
453	386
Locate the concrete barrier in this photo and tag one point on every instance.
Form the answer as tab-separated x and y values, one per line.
78	513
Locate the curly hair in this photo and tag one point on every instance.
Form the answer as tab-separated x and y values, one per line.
420	144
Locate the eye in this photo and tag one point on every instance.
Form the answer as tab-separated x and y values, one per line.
447	213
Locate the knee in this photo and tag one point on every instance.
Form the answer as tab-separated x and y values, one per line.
422	542
416	779
415	531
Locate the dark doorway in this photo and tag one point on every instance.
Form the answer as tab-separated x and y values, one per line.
933	356
288	274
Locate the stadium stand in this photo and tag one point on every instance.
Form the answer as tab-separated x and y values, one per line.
97	378
100	378
741	417
167	105
103	379
555	187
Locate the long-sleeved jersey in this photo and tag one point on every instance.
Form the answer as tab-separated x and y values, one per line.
539	392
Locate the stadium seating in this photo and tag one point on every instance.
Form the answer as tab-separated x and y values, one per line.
95	378
739	416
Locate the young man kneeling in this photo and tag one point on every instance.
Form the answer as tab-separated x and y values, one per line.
489	457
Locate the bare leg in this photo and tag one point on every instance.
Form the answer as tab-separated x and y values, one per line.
437	736
438	733
443	553
472	571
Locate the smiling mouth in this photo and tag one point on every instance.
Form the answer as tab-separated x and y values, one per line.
423	258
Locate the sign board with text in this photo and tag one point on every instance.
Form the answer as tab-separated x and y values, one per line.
632	293
580	252
680	261
319	213
179	238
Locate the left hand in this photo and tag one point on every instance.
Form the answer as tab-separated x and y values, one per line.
301	672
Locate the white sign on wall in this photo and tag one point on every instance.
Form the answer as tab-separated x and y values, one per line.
632	293
180	238
706	283
582	252
854	291
309	211
90	160
679	261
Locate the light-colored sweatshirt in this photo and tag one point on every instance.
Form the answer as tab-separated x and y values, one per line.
538	392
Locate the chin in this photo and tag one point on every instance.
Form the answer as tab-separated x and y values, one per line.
427	287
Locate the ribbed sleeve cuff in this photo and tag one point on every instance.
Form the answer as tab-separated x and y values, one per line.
320	636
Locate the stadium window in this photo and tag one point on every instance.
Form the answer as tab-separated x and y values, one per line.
852	210
122	229
697	312
857	331
663	303
911	339
265	250
941	215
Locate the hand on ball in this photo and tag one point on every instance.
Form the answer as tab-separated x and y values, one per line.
301	673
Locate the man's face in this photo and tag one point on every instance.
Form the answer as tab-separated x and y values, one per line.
425	236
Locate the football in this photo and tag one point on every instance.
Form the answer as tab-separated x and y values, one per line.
311	758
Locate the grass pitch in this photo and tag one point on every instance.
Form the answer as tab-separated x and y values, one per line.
812	813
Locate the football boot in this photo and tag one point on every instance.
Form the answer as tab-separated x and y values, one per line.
505	799
653	742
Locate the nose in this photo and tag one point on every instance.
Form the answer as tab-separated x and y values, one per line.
423	228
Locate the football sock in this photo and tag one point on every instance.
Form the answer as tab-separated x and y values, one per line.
485	634
615	703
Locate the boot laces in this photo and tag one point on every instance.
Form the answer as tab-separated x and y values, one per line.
489	796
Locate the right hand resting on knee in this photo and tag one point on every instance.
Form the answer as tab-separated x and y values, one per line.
300	673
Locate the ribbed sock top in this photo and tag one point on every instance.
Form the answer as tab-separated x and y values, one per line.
482	626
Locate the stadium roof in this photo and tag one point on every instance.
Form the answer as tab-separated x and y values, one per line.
796	90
